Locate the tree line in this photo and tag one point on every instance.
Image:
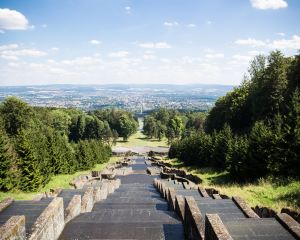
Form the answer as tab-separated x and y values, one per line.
254	130
37	143
172	124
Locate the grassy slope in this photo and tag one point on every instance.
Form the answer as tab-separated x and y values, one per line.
59	181
263	192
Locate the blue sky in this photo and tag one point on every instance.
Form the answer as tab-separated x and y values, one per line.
141	41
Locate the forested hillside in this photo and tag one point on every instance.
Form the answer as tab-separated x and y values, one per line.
38	143
254	130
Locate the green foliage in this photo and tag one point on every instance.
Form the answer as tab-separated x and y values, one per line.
254	130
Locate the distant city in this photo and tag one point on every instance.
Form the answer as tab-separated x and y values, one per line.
136	98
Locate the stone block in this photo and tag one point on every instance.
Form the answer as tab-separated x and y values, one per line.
5	203
171	198
241	204
215	229
289	223
73	209
50	223
13	229
179	206
203	192
96	194
193	220
216	196
87	201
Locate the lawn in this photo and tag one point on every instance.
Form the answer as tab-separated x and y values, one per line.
264	192
58	181
140	140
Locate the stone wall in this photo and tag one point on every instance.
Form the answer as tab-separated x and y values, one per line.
215	229
87	201
50	223
73	209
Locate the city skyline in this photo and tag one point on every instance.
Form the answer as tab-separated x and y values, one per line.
126	41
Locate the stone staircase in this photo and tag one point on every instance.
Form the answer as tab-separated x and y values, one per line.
206	217
134	211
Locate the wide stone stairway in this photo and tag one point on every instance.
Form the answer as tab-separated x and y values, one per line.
134	211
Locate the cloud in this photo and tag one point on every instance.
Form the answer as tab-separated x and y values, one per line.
25	53
55	49
1	31
157	45
281	34
208	22
191	25
171	24
250	42
12	20
82	61
10	58
94	42
214	55
8	47
44	25
268	4
293	43
119	54
148	57
128	9
242	58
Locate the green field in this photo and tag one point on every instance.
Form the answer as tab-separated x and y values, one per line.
139	140
59	181
264	192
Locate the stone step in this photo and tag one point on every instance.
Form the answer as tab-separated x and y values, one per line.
258	229
128	216
142	231
134	200
154	206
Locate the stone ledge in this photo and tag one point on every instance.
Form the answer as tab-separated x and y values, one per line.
73	209
14	228
241	204
87	201
171	198
5	203
215	229
216	196
203	192
289	223
193	220
50	223
179	206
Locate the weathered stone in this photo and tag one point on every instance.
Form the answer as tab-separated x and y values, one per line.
244	207
203	192
216	196
290	224
215	229
13	229
87	201
171	198
50	223
5	203
193	220
73	209
179	206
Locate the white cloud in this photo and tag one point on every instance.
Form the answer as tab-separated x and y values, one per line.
128	9
82	61
55	49
250	42
281	34
8	47
293	43
44	25
242	58
191	25
214	55
10	58
25	53
171	24
269	4
208	22
13	20
148	57
94	42
157	45
119	54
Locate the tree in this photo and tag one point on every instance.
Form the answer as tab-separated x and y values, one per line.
5	166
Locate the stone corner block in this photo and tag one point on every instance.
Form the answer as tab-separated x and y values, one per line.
13	228
241	204
215	229
289	223
73	209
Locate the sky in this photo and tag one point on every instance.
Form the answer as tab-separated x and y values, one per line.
141	41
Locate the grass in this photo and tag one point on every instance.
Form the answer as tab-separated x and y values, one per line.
140	140
58	181
264	192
